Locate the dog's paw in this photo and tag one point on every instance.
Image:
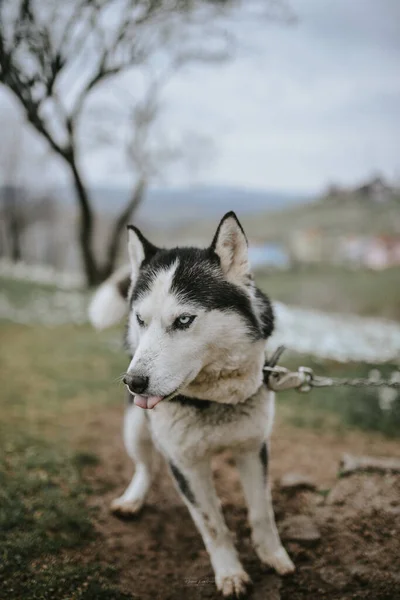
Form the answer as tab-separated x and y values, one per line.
279	560
126	508
234	585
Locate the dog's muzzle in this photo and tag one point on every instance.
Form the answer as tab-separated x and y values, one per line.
137	385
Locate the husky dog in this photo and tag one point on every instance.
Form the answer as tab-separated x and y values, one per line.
197	328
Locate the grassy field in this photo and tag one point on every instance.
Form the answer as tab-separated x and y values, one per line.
21	292
363	292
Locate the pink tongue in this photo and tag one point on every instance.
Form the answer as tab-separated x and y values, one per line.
147	401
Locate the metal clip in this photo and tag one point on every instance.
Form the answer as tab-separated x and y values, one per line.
307	375
279	378
270	367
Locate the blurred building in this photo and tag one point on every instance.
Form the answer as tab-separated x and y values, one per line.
356	251
376	190
308	246
374	252
382	252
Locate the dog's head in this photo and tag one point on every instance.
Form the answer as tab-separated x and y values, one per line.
189	308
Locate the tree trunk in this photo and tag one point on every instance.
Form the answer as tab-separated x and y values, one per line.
121	222
12	219
15	240
86	227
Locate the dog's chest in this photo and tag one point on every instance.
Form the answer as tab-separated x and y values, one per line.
193	431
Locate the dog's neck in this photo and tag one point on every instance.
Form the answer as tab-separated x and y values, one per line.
232	380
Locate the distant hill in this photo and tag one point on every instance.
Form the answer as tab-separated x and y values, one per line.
171	207
267	214
350	214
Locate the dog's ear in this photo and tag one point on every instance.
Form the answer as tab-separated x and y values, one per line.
230	244
139	248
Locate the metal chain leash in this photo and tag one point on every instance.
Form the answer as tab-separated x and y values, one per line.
279	378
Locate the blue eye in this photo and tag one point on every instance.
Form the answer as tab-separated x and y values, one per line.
184	321
139	320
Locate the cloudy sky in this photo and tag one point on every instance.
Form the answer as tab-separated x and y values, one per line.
305	105
319	102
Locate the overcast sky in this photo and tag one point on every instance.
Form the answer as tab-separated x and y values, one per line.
312	103
321	102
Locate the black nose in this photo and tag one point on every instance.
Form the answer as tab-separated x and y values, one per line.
136	383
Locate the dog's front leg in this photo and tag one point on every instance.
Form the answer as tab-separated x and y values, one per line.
139	446
197	490
253	468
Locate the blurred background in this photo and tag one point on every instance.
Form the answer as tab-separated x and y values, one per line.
167	114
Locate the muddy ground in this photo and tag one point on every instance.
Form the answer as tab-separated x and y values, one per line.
161	556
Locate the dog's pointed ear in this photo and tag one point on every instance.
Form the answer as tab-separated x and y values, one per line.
139	248
230	244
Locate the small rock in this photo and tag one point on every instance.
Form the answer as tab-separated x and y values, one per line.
300	528
337	577
297	481
337	496
349	464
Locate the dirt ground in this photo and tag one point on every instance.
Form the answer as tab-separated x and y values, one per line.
161	556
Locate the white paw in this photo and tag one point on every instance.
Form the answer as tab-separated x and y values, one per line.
126	508
233	585
278	560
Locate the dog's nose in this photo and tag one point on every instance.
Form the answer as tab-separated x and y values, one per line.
136	383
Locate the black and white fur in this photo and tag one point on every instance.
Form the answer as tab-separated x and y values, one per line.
196	332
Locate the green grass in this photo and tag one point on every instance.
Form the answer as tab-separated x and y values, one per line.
51	379
49	373
43	515
335	289
21	292
339	408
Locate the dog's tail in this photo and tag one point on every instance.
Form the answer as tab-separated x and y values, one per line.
109	302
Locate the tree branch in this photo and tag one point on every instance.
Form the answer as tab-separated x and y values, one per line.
120	224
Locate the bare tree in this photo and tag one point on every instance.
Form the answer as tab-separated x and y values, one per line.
20	207
14	209
12	215
19	211
11	192
149	151
54	55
